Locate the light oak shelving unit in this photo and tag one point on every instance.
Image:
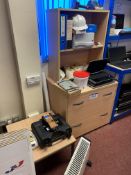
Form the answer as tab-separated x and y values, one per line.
89	108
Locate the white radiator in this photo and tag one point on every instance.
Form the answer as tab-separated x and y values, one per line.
79	159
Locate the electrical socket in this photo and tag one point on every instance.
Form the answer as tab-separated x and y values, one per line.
9	121
12	119
17	118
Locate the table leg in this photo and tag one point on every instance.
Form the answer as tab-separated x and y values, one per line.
72	148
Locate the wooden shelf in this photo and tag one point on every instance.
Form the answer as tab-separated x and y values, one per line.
85	90
74	56
86	11
86	48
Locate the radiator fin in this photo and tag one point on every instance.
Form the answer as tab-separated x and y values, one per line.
79	158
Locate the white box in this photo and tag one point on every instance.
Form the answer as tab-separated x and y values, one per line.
16	157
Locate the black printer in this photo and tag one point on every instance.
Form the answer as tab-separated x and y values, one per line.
49	129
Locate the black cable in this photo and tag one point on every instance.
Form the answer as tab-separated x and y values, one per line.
118	40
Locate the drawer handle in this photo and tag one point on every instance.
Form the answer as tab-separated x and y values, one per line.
104	114
107	94
77	104
78	125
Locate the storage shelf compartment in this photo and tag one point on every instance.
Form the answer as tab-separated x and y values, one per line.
124	96
124	103
121	114
98	17
86	48
70	56
123	107
80	58
125	90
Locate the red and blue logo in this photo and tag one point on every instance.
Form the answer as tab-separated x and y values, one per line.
14	167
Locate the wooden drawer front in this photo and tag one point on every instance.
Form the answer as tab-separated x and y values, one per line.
107	98
86	113
76	113
90	111
93	103
90	123
96	95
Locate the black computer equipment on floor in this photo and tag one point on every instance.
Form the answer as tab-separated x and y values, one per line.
124	102
118	58
99	76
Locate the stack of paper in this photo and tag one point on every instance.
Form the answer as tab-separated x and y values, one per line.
16	154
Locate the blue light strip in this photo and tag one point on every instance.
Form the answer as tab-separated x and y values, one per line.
41	28
52	3
60	3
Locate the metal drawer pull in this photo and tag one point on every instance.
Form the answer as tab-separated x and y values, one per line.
104	114
78	125
108	94
77	104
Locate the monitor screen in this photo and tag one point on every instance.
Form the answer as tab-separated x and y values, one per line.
119	21
96	66
116	54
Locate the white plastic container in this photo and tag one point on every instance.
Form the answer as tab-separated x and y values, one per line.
81	78
83	40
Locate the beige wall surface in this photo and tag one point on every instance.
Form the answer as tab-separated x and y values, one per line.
24	29
10	99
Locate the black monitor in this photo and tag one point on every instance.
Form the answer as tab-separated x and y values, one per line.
119	21
96	66
116	54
